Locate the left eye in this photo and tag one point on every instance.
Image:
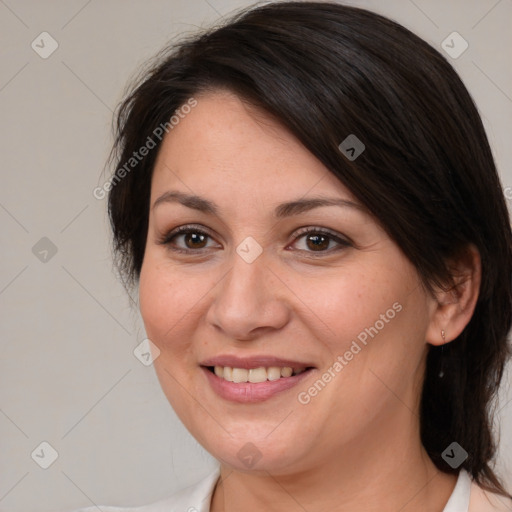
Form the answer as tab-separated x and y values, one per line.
318	240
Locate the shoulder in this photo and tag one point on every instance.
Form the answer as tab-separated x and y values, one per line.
195	498
485	501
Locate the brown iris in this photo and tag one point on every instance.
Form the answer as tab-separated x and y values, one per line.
319	241
196	239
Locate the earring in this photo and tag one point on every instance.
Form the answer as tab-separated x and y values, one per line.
441	372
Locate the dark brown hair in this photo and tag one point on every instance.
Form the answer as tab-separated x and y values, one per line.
326	71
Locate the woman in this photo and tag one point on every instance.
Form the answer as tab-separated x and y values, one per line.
308	204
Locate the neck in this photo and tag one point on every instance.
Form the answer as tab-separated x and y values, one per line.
385	472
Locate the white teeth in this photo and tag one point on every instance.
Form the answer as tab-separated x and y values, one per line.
240	374
255	375
273	373
286	371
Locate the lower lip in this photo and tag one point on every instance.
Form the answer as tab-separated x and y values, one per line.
247	392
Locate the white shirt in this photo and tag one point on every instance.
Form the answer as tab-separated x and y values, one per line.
467	496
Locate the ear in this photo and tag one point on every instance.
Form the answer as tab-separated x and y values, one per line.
452	309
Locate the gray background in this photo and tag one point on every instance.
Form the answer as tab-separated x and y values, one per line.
68	374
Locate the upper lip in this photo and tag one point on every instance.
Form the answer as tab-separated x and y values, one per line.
253	362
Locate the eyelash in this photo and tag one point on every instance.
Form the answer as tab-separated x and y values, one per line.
167	238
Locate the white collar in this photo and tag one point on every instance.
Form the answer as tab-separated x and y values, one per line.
459	499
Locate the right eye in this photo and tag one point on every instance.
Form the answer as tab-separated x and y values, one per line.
192	237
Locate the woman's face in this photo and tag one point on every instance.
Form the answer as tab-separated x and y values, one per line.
257	291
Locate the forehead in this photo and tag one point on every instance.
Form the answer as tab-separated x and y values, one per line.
224	146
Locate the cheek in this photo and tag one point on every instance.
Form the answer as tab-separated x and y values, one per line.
383	324
375	322
374	317
341	306
172	304
165	298
167	303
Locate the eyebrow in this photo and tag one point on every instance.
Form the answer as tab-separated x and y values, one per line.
283	210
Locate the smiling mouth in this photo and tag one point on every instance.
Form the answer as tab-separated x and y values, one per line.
255	375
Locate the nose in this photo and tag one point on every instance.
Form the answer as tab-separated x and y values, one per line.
249	301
